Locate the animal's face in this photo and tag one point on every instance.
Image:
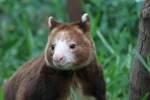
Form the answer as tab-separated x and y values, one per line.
69	46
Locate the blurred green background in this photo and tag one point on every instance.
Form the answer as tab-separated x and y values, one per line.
114	24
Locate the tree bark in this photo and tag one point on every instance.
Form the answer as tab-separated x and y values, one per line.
139	84
74	9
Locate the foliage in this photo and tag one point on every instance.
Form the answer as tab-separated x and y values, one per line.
1	94
114	25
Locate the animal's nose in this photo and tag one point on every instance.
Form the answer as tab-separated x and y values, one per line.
58	58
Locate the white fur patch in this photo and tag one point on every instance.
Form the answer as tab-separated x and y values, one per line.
50	21
62	48
84	17
45	55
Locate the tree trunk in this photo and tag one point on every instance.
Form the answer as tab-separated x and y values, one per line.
74	9
139	85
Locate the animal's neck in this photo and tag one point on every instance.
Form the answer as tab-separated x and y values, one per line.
72	80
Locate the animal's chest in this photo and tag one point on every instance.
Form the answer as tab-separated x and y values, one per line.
76	93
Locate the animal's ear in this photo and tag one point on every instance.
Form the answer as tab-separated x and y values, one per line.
52	23
85	23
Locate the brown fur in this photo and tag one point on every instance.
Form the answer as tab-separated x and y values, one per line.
73	33
35	80
39	82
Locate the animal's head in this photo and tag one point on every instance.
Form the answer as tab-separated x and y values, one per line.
69	45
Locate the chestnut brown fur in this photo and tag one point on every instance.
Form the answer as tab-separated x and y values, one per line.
36	80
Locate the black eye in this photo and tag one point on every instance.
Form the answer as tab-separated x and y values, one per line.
72	46
53	47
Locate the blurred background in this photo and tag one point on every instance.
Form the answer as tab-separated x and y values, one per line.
114	27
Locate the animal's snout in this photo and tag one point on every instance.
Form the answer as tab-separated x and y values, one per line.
58	58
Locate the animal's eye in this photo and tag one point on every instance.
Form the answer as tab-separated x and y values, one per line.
72	46
53	47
